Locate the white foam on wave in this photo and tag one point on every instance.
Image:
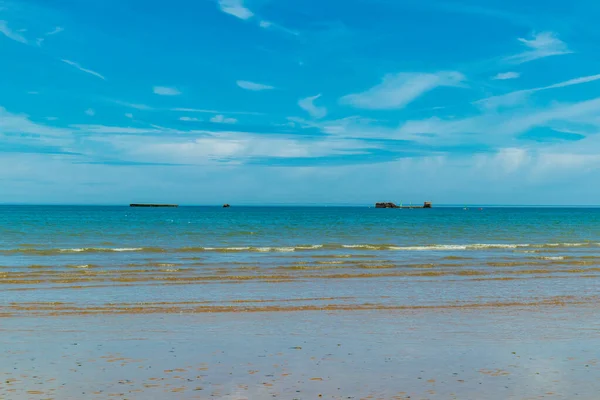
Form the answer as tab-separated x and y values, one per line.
440	247
496	246
314	246
128	249
275	249
93	249
552	258
72	250
359	246
225	248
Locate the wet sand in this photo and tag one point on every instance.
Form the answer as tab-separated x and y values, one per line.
506	351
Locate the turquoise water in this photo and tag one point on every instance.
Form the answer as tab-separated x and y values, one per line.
311	256
168	229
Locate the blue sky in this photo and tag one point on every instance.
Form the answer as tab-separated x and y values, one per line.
299	101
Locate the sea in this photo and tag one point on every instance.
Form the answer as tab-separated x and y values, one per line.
294	256
299	302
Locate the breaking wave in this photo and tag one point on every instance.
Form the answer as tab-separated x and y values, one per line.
522	248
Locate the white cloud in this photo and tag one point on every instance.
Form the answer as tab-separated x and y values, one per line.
90	112
498	129
189	119
544	44
349	127
87	71
510	159
398	90
215	145
518	97
235	8
118	129
570	82
20	123
56	30
220	119
195	110
142	107
204	111
253	86
166	91
271	25
39	41
129	115
506	75
9	33
308	105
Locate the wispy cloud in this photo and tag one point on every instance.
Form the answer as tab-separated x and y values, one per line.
189	119
506	75
544	44
398	90
206	111
87	71
137	106
166	91
271	25
129	115
9	33
55	31
90	112
221	119
308	105
253	86
517	97
242	146
21	123
235	8
494	128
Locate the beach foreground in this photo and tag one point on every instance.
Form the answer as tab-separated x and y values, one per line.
500	353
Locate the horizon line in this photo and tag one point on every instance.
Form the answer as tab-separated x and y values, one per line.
370	205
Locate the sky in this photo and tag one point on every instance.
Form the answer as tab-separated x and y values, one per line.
299	101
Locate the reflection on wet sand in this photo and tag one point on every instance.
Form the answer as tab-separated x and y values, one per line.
496	353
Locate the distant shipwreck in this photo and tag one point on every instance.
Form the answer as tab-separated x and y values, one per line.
427	204
152	205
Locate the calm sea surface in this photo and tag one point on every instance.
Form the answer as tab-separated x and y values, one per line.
89	258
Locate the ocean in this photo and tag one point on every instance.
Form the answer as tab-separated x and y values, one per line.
293	252
282	279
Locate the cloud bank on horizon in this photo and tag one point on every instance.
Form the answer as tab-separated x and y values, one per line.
298	101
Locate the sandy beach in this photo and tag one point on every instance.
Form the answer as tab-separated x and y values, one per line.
508	352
